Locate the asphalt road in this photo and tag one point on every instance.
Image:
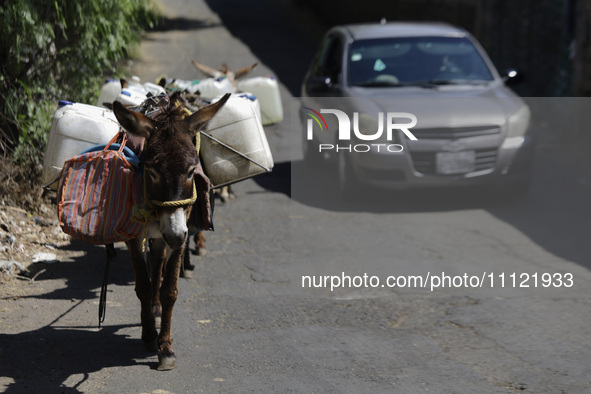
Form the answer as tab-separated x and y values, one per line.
245	323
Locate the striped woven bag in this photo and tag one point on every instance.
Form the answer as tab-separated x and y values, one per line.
96	192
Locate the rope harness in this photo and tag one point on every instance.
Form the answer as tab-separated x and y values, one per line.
145	213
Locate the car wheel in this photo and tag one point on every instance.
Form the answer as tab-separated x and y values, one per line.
348	184
514	191
311	157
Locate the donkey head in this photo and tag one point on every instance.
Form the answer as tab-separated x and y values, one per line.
170	160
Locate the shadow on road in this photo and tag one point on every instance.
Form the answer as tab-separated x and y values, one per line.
84	274
42	360
267	29
182	24
278	180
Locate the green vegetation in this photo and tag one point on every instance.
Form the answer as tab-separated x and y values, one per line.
52	50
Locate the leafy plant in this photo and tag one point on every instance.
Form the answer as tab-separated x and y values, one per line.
59	49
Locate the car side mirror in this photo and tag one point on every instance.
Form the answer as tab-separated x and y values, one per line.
512	77
319	84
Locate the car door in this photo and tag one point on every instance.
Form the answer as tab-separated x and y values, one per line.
325	79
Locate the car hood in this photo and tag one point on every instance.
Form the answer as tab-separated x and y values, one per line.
440	108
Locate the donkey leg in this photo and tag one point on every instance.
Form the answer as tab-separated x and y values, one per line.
157	260
143	292
231	194
187	267
168	296
224	194
200	249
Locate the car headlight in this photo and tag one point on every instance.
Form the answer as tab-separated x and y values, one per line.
518	123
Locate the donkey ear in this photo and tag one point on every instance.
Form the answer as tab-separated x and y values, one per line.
134	122
206	70
241	72
199	119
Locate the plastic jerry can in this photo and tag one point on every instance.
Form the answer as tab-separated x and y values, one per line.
74	129
131	97
254	100
133	84
211	88
109	92
183	84
135	93
267	91
247	152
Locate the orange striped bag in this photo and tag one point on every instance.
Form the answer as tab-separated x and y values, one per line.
96	192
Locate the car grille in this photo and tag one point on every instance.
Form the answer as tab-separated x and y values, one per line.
424	162
455	133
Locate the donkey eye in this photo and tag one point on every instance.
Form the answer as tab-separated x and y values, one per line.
191	173
153	175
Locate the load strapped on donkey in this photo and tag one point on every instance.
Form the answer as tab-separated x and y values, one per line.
152	181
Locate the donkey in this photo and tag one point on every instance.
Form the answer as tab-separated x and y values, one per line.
171	173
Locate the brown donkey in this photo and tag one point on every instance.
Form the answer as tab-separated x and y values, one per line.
171	177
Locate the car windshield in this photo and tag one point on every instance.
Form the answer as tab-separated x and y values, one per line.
416	61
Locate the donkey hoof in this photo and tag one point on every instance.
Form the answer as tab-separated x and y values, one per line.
166	363
201	251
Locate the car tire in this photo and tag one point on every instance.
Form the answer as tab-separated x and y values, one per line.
348	185
515	191
311	157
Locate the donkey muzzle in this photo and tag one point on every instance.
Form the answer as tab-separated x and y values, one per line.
173	227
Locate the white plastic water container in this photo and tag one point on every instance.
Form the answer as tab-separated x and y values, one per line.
267	91
131	97
255	102
183	84
75	128
109	92
211	88
238	126
136	93
133	84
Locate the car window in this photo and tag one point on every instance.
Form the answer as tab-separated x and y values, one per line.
320	57
408	60
329	59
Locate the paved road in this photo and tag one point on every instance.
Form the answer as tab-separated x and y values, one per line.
246	324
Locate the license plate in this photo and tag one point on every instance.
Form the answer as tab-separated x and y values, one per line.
448	163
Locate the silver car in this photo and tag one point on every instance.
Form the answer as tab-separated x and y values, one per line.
469	127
